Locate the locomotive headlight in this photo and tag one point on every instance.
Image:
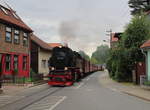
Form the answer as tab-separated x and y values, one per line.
52	68
60	46
65	68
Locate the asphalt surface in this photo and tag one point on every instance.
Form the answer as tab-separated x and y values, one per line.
88	94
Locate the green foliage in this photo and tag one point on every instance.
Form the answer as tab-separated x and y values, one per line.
94	61
32	73
118	65
136	32
101	54
147	83
138	6
123	58
84	55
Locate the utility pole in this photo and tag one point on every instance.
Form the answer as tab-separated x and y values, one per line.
109	33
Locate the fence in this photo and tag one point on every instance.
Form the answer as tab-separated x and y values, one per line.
21	80
140	70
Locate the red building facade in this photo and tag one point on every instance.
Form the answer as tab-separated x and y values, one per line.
14	44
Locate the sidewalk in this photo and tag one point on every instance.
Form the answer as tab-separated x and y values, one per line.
13	89
127	88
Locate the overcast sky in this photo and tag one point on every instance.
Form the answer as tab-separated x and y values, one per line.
80	23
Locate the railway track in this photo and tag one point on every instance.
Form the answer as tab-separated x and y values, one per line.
25	102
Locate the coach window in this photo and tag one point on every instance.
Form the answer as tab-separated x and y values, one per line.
16	36
8	36
25	39
8	62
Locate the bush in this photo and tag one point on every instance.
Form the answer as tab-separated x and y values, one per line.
119	65
147	83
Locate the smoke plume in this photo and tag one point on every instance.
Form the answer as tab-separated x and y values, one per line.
68	31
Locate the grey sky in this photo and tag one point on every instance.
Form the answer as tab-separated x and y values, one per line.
85	20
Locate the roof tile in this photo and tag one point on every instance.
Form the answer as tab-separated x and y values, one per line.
40	42
113	38
10	18
146	44
54	44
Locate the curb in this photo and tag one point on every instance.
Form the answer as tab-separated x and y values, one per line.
37	84
145	87
128	93
135	95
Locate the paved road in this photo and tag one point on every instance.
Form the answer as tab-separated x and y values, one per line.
86	95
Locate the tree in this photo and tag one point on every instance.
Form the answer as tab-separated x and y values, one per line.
101	54
84	55
136	33
123	58
139	6
94	61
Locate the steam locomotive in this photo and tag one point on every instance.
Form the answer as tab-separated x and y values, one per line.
67	66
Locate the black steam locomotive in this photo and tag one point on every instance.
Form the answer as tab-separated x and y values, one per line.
67	66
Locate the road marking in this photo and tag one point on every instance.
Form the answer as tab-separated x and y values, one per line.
55	105
81	84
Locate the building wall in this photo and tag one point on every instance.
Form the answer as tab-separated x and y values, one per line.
11	47
34	57
43	55
21	72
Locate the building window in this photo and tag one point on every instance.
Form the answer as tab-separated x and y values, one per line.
8	62
43	64
8	34
16	37
25	63
25	39
16	62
